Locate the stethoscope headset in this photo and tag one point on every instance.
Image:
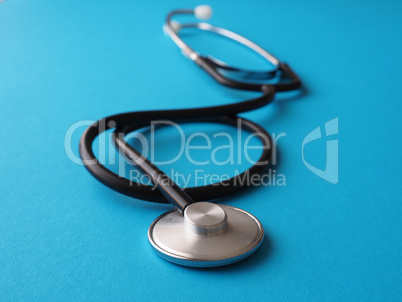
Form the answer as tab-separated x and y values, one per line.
197	232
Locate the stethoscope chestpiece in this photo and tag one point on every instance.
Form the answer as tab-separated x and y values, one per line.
206	235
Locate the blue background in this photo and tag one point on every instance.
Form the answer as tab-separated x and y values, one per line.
64	236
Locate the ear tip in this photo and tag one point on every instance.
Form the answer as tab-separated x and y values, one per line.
174	25
203	12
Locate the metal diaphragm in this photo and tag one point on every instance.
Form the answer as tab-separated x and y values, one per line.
206	235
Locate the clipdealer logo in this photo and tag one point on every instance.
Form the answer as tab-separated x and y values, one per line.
331	171
238	153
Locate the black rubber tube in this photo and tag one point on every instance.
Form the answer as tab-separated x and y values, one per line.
128	122
226	114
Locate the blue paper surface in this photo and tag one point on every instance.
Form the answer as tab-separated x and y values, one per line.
66	237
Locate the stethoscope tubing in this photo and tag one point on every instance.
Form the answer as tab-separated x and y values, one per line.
225	114
131	121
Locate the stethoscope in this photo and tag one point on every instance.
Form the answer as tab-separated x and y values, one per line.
197	232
